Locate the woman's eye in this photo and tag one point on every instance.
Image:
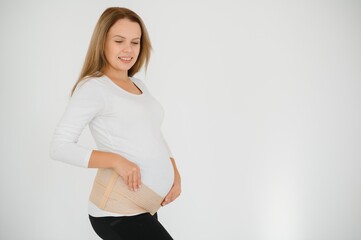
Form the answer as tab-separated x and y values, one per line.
118	41
135	43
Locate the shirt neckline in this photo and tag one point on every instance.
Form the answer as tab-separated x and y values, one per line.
123	90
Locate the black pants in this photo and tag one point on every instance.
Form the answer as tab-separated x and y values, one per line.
140	227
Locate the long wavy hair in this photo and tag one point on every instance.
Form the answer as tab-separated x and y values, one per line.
95	59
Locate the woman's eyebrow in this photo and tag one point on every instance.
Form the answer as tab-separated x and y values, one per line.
137	38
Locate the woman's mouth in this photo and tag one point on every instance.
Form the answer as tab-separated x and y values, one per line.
125	59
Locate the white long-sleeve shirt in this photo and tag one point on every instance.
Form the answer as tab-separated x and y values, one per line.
121	122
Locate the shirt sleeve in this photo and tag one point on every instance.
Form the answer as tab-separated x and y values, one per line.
86	102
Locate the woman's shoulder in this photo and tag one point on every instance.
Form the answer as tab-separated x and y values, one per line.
90	85
92	81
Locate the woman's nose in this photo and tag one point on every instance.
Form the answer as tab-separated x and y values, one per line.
128	48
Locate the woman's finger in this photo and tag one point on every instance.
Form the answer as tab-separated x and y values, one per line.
139	184
135	180
128	182
168	199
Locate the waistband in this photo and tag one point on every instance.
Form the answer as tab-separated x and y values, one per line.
111	194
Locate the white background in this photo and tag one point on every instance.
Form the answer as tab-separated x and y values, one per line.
263	112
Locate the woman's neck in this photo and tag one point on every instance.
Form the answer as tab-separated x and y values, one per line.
116	75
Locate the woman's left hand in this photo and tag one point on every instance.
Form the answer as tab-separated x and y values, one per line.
174	192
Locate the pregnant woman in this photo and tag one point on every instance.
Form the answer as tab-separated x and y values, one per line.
137	173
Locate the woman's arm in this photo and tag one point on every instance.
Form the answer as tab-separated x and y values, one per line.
176	189
87	101
85	104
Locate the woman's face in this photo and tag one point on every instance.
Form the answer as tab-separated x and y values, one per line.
122	45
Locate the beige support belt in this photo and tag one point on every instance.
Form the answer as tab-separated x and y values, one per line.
111	194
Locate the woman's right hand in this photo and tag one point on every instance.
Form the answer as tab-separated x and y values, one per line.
129	172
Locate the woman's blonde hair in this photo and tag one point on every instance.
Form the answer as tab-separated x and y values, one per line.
95	59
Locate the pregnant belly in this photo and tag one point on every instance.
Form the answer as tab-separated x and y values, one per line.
158	175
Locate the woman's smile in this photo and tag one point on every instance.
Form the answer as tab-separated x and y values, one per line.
125	59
